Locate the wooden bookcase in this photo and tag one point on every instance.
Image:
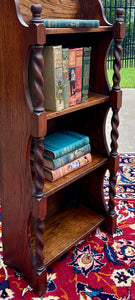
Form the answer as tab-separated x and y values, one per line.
42	220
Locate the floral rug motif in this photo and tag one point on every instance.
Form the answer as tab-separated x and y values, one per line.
101	267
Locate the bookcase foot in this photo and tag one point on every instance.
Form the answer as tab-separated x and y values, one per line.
39	281
110	223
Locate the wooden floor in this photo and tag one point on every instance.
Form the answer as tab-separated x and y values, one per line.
126	140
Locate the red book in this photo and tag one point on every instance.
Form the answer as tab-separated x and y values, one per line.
81	161
72	97
78	74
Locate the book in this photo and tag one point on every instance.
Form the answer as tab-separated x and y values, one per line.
78	74
85	72
62	160
65	58
72	97
70	23
53	83
53	175
62	142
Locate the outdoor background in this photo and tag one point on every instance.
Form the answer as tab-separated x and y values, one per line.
128	56
126	140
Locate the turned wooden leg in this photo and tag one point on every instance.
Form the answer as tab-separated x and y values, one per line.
116	102
38	131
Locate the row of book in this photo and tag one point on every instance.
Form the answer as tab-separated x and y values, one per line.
64	152
66	76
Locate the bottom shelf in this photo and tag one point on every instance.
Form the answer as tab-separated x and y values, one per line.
66	228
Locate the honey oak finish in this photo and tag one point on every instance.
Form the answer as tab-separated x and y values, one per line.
43	219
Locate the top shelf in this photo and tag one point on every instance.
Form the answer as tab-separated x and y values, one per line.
78	30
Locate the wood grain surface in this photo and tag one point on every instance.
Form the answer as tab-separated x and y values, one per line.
65	229
52	8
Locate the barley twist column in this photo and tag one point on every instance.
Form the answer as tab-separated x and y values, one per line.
39	128
38	83
39	183
116	101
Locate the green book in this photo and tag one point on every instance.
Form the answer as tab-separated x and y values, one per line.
53	81
85	73
70	23
65	61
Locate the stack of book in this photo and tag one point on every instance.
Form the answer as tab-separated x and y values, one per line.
64	152
66	76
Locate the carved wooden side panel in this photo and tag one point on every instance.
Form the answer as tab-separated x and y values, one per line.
90	11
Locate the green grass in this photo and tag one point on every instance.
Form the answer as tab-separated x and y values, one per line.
127	77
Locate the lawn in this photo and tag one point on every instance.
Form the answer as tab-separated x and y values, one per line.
127	77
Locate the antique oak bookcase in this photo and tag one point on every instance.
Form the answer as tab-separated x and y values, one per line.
42	220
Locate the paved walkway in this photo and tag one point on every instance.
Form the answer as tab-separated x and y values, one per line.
126	140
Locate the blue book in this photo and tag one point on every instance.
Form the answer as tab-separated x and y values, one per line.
62	142
70	23
62	160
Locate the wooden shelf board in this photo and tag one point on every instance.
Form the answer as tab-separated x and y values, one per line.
52	187
93	99
65	229
78	30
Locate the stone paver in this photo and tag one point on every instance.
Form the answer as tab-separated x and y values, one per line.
126	140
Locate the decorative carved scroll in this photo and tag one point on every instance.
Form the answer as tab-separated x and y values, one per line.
88	10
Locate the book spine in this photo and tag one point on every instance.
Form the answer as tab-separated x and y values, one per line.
53	85
72	97
85	73
58	77
65	59
78	74
68	168
70	23
58	162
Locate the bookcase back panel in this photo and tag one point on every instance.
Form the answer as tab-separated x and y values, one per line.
66	9
98	75
80	121
52	9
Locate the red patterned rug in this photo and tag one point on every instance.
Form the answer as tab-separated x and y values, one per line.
101	267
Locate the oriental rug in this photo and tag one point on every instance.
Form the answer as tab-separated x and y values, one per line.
101	267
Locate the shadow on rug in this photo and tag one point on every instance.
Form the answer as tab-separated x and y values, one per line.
99	267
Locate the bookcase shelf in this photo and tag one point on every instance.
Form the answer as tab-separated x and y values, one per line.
67	228
53	187
77	30
93	99
45	219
